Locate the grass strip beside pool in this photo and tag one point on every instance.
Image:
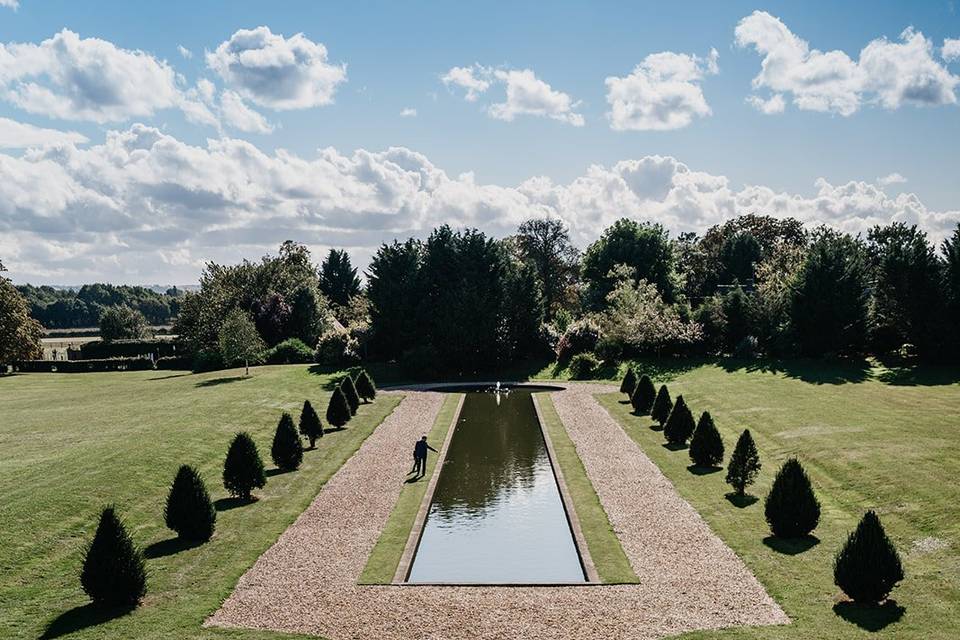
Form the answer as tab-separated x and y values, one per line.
383	560
605	550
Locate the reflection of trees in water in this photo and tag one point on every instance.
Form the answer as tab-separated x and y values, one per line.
495	450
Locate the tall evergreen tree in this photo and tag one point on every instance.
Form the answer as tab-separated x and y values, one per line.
545	244
189	510
792	510
662	406
338	278
744	464
338	411
706	446
310	425
350	393
287	450
868	566
629	383
643	396
680	425
243	469
113	574
366	389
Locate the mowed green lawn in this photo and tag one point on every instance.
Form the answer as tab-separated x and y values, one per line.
71	443
866	444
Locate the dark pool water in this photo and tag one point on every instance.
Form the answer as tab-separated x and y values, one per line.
497	515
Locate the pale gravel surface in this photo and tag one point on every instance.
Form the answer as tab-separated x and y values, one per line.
690	580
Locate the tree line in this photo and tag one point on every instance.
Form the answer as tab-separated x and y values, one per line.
58	308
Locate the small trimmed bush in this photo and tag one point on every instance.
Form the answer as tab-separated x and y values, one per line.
350	393
706	446
643	396
744	464
791	508
310	426
868	566
583	365
366	389
629	383
287	450
114	573
290	351
189	510
243	469
680	425
662	406
338	411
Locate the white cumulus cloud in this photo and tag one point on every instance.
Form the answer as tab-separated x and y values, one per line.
186	53
12	4
20	135
951	49
277	72
408	112
529	95
887	73
892	178
475	80
238	115
662	92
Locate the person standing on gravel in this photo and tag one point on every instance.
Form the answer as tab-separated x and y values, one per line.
420	457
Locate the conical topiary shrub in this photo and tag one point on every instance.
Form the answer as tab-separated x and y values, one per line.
113	574
338	411
706	446
243	468
744	464
662	406
365	387
189	510
629	383
350	393
643	396
287	450
868	566
310	426
791	508
679	426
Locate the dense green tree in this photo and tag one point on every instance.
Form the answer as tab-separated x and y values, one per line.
629	383
189	510
338	411
58	308
122	323
868	566
791	508
366	389
644	247
271	316
680	424
662	406
829	296
643	396
739	255
239	340
744	464
20	335
114	573
286	450
310	425
738	318
951	280
394	290
243	469
521	306
544	243
350	393
306	320
706	446
338	278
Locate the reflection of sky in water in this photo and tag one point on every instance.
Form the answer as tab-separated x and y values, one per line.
497	515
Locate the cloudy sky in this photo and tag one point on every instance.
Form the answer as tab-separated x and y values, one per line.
138	140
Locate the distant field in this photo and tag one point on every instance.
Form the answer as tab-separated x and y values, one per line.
71	443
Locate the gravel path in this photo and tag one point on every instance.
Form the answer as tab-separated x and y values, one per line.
690	580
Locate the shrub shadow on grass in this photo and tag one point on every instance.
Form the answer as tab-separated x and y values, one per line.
170	547
870	617
82	617
218	381
174	375
277	472
697	470
811	371
791	546
226	504
656	427
666	369
672	446
926	376
741	502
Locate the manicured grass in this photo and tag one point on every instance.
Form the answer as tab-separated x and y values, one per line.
385	557
71	443
605	550
870	439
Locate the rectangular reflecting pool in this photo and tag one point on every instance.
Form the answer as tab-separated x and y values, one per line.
496	514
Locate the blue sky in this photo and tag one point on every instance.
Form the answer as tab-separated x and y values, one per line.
820	157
